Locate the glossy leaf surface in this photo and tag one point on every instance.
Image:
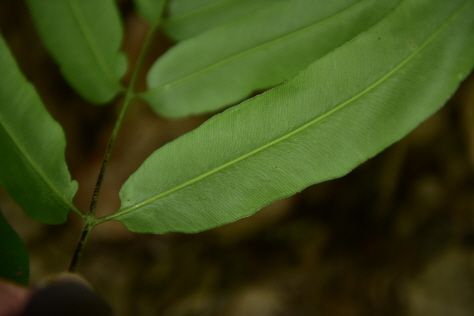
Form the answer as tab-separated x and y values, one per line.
84	37
33	169
15	264
225	65
343	109
189	18
151	10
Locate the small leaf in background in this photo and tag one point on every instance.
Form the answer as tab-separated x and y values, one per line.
343	109
151	10
33	169
189	18
84	37
14	263
227	64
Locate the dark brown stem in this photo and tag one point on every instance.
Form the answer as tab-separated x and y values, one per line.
79	248
90	221
100	177
129	95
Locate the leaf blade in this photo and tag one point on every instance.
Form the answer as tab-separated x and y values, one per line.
15	263
33	169
190	18
227	70
84	38
266	149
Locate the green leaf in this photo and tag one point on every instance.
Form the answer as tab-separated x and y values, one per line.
225	65
189	18
84	37
343	109
15	265
33	169
151	10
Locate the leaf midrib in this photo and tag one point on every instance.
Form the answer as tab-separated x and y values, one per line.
405	61
91	43
246	52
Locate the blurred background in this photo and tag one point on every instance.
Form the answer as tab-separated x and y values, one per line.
394	237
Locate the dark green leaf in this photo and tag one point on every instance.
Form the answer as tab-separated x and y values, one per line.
14	265
343	109
33	169
223	66
84	37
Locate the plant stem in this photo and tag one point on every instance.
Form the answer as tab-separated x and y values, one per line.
80	246
129	96
89	219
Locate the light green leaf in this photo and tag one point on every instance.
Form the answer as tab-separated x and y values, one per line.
33	169
15	264
225	65
343	109
151	10
189	18
84	37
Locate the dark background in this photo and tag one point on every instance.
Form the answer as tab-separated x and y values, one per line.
394	237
